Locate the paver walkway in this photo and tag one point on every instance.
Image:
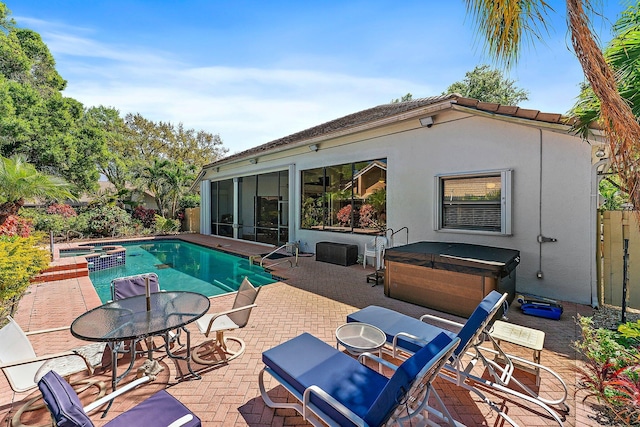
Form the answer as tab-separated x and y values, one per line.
315	298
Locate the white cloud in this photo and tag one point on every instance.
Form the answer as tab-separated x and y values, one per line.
250	105
246	106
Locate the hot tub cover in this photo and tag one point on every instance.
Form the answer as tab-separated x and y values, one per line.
459	257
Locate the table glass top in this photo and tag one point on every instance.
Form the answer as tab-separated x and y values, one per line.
129	319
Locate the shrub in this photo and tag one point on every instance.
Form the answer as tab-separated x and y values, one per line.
43	221
16	226
61	209
344	215
612	372
146	216
189	201
367	216
166	225
106	221
20	262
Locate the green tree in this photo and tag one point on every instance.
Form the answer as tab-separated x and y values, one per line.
488	85
179	177
623	55
105	125
36	120
153	178
504	24
20	180
407	97
169	182
148	139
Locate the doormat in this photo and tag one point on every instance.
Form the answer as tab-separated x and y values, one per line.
163	266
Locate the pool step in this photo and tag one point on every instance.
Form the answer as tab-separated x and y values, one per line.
64	268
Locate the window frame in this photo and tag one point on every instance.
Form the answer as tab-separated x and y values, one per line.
506	197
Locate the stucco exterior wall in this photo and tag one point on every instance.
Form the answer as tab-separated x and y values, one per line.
550	194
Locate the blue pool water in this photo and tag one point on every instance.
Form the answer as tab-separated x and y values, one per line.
182	266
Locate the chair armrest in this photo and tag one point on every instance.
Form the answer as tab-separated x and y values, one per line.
46	331
405	335
346	412
441	320
377	359
109	397
39	359
181	421
224	313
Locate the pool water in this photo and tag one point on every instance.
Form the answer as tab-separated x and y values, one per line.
182	266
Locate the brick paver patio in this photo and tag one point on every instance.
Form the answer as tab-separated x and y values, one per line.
314	298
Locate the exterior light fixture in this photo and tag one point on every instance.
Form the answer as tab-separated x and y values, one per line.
426	121
253	161
313	147
600	153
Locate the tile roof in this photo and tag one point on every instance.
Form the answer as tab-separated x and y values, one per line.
384	111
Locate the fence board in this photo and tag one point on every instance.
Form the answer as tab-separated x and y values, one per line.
613	259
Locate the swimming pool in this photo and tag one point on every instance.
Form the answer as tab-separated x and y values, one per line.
182	266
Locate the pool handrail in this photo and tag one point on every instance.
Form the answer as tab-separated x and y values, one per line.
295	247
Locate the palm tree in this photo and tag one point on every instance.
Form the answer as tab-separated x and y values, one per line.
504	23
178	177
20	180
154	179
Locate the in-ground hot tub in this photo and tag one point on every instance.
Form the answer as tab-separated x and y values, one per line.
449	277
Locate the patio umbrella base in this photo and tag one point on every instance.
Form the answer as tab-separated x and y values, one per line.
150	368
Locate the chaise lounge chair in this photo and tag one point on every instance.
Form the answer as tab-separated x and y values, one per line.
159	410
332	388
23	368
405	334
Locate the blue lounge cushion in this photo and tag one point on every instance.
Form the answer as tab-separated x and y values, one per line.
392	323
479	316
305	361
62	401
161	409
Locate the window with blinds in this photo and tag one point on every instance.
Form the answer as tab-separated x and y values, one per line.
474	202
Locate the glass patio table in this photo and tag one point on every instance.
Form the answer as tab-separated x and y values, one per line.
140	317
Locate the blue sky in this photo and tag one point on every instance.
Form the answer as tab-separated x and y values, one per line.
255	71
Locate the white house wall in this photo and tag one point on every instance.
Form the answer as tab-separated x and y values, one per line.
476	144
459	142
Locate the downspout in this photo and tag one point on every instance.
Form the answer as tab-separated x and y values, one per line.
541	238
595	233
539	274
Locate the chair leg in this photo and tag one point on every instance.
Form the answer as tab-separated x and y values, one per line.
219	346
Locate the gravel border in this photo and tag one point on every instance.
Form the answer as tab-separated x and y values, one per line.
609	316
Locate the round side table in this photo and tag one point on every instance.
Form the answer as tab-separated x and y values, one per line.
358	338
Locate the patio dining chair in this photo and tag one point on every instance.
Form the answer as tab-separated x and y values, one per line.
23	368
130	286
235	318
405	334
332	388
159	410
